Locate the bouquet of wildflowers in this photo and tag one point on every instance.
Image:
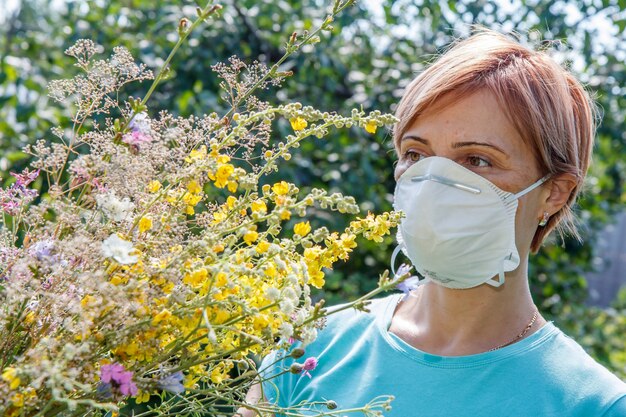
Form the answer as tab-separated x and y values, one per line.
159	259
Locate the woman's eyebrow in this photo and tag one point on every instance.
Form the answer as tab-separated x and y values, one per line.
416	138
474	143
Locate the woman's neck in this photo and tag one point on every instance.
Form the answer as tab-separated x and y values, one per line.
452	322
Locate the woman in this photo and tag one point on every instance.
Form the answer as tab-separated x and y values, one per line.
493	142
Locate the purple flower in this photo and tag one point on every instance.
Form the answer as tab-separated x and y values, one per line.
117	376
25	177
173	383
10	207
111	372
127	386
408	284
17	195
42	250
104	391
309	365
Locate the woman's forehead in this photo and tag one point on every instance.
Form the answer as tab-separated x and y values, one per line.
477	116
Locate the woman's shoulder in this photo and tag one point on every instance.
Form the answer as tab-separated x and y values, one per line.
569	366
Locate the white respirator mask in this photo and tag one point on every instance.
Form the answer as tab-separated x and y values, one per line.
459	229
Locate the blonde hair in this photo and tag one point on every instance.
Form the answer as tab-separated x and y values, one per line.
548	106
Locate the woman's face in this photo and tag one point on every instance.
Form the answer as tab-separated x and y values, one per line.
474	131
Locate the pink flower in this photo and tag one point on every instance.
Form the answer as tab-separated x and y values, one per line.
127	386
25	177
115	375
111	372
309	365
136	138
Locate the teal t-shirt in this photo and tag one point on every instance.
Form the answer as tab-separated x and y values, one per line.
546	374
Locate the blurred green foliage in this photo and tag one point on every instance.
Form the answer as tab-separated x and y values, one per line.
367	60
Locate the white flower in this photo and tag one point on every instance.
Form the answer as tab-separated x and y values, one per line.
300	316
141	123
113	207
118	249
290	294
272	293
287	306
285	330
308	335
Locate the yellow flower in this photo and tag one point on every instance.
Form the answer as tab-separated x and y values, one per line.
250	237
196	154
118	279
270	271
88	299
197	277
232	186
145	224
189	210
142	396
298	123
154	186
285	214
281	188
370	127
194	187
221	279
258	206
316	278
10	375
312	254
262	246
230	201
223	173
302	228
30	317
191	199
218	248
218	217
163	315
18	400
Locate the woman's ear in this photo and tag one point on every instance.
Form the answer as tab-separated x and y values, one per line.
560	188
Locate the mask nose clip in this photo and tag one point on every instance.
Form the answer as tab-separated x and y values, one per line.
446	181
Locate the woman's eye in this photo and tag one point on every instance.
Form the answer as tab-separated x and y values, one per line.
413	156
477	161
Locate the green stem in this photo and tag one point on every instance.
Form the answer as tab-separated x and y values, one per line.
291	48
205	13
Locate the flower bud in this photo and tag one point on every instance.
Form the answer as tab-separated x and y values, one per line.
296	368
243	365
182	25
297	353
331	404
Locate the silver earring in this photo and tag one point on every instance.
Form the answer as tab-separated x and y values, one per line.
544	219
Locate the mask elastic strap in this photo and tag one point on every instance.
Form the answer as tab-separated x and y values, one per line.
531	187
394	255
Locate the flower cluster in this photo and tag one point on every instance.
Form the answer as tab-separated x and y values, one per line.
160	258
17	195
